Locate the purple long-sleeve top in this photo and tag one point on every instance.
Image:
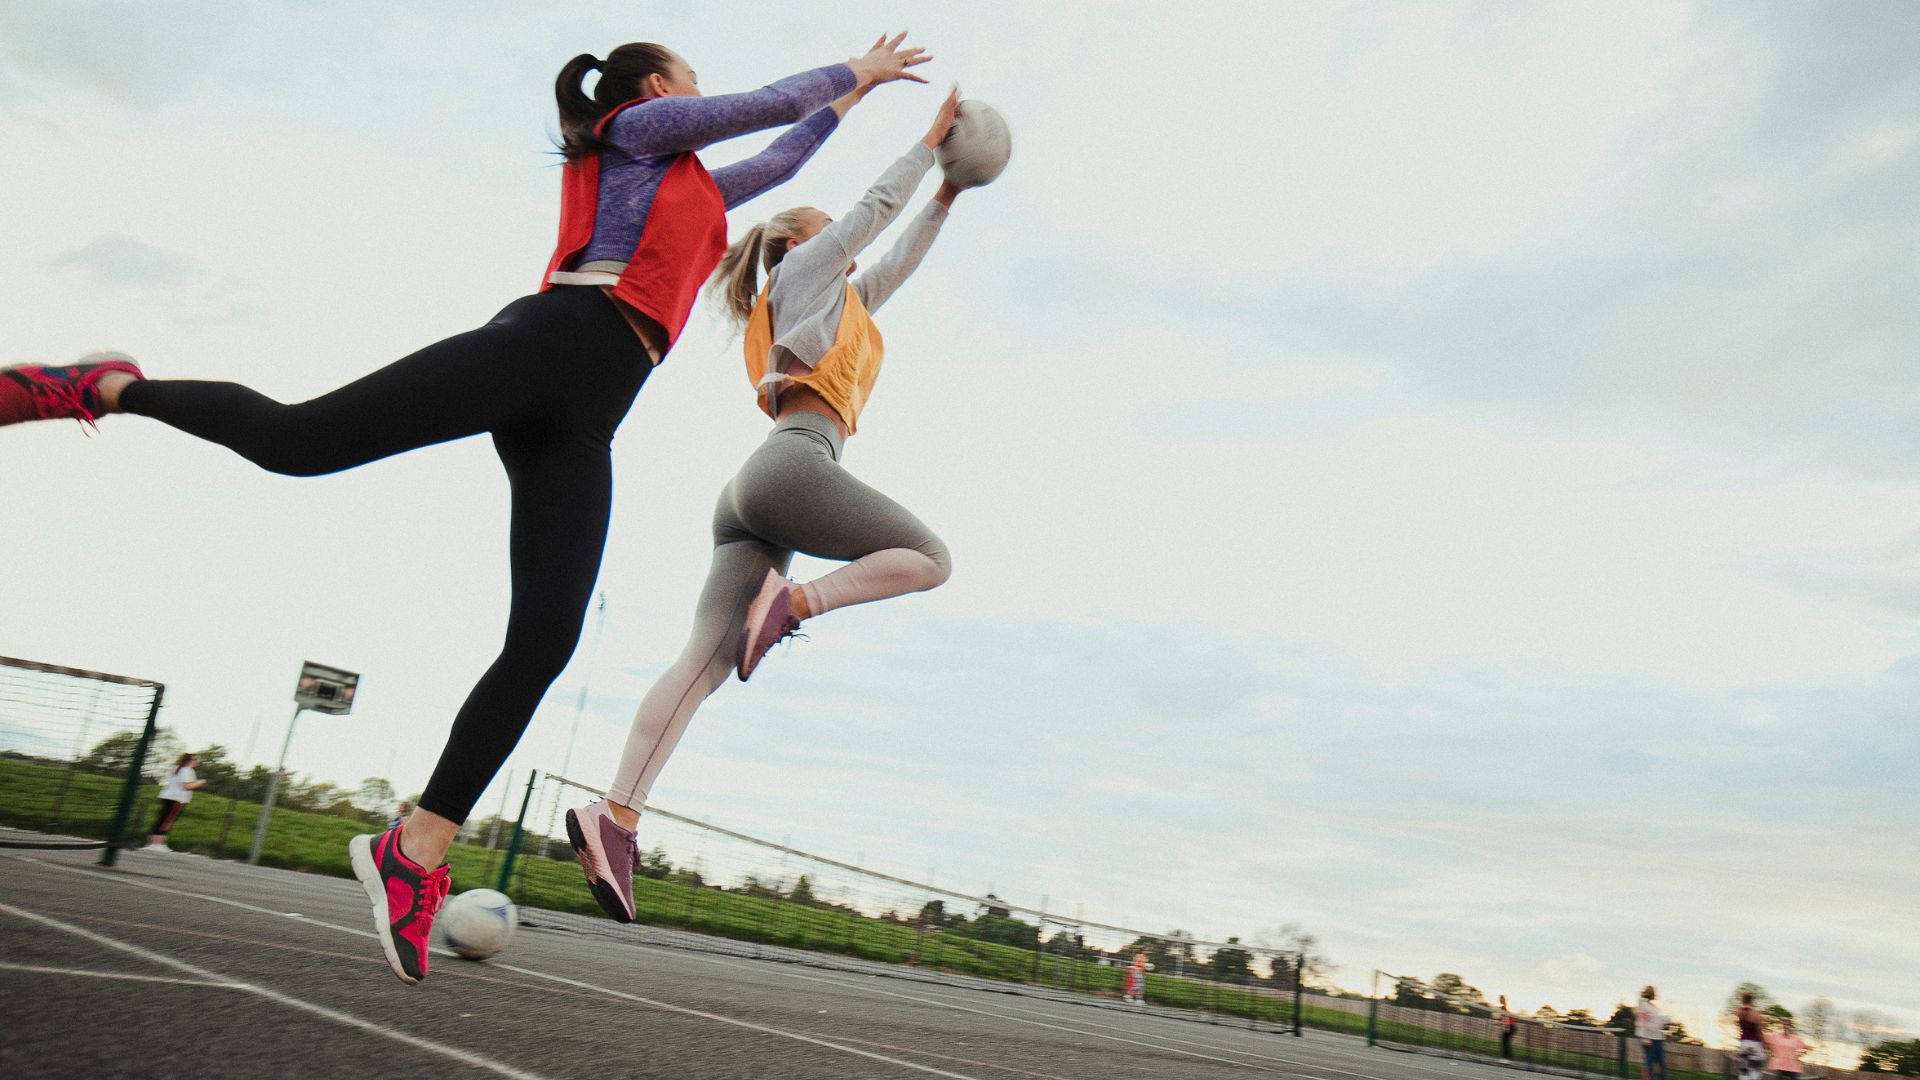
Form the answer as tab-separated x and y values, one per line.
651	136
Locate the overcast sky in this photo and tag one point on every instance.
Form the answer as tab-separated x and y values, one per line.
1443	475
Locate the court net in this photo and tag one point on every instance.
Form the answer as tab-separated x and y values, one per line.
731	891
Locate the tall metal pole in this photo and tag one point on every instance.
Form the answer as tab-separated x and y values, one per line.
273	792
586	681
233	797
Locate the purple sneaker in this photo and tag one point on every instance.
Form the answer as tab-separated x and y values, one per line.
607	852
770	620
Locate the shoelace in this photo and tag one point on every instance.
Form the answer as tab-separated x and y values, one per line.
432	893
66	394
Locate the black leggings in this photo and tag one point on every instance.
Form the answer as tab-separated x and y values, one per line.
550	378
165	814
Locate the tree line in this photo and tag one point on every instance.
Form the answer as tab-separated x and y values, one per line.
373	800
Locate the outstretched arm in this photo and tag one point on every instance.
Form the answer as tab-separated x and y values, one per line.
775	165
835	246
881	280
672	125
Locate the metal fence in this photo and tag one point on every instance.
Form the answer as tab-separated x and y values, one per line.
73	754
756	893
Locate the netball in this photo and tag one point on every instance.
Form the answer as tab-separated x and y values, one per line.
976	149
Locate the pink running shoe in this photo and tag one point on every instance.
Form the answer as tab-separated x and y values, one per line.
607	852
405	898
69	392
770	620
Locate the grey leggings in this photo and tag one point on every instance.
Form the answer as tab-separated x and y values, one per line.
791	495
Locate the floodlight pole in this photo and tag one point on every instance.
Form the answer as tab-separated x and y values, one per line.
273	791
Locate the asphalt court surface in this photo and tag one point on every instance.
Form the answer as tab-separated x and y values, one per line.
177	965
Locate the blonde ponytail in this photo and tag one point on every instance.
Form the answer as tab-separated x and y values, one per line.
736	281
735	284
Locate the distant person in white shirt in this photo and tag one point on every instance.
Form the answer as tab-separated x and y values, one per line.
1650	1027
175	790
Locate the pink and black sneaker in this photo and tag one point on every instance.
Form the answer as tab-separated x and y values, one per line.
405	897
64	392
607	852
770	620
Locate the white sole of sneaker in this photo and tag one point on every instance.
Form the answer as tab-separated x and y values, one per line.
364	868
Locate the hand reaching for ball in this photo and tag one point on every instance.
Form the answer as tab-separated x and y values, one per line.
942	120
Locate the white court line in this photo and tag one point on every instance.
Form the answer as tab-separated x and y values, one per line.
464	1056
708	959
128	976
778	970
507	967
737	1023
242	905
995	1015
1093	1024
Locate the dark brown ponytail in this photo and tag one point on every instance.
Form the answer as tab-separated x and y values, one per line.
623	76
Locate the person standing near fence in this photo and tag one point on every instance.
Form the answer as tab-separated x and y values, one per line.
176	788
1650	1027
1508	1022
1784	1049
1137	978
1752	1051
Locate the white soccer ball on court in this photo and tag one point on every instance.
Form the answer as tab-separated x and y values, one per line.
478	923
976	148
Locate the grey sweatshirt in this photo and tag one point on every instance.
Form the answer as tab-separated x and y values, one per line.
807	291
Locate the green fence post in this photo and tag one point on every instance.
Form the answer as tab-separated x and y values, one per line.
1299	980
132	786
513	843
1373	1019
1621	1038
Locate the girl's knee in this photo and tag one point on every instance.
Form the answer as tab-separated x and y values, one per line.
288	440
539	654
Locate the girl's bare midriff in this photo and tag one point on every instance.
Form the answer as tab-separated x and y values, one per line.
796	398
